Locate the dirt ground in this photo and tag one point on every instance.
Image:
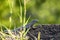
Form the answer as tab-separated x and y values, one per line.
47	32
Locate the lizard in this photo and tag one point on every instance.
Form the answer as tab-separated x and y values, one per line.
29	25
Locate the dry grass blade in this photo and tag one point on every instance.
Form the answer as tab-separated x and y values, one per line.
39	36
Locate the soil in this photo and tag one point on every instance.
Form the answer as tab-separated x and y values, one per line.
47	32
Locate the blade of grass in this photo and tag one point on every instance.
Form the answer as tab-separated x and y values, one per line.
38	35
24	11
26	32
27	20
20	12
11	5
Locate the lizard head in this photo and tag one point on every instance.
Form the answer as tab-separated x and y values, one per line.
31	23
34	21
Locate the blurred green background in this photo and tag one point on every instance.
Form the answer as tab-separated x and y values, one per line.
46	11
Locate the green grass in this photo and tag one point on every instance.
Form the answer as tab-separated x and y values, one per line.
23	21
